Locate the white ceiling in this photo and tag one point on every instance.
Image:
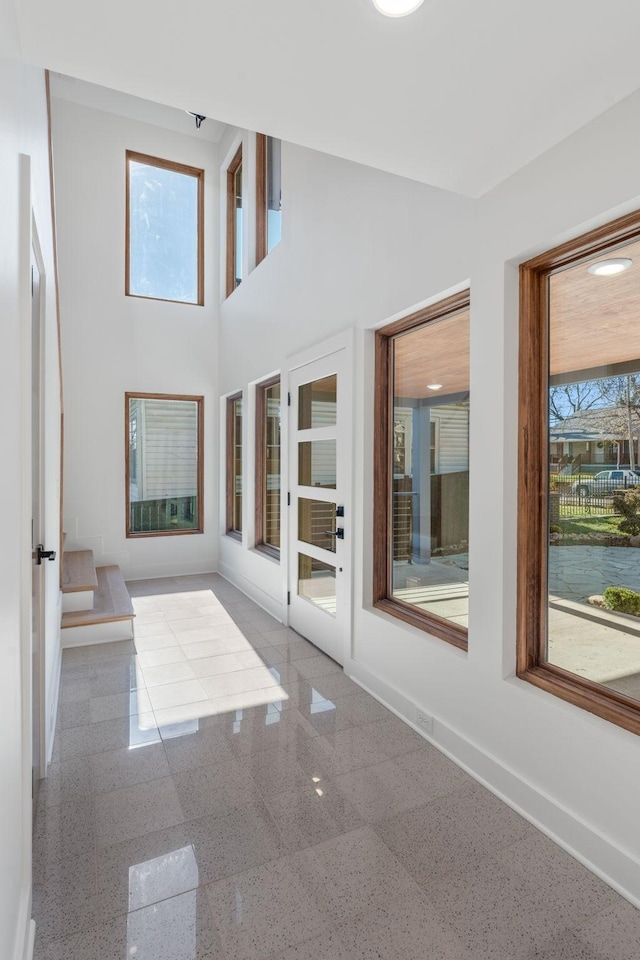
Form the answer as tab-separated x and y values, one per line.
461	94
124	105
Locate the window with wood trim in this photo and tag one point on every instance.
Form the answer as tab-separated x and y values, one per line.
578	472
234	222
268	475
163	464
268	195
421	470
164	230
234	466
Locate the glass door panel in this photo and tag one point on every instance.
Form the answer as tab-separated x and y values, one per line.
316	523
317	464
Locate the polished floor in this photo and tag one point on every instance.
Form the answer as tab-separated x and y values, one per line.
224	792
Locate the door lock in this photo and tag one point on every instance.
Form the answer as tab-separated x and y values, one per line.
42	554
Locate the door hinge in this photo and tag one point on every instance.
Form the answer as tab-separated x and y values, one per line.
288	499
288	399
288	598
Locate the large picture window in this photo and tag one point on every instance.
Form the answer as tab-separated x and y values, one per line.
164	230
268	475
422	469
579	477
163	456
268	195
234	466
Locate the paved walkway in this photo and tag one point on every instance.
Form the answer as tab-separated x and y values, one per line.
576	573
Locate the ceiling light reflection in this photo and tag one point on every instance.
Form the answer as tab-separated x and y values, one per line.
610	267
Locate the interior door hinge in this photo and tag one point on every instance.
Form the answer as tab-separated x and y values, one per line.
288	598
288	499
288	399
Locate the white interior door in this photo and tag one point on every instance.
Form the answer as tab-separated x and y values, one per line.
320	507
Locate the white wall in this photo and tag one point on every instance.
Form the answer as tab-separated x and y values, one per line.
112	343
357	246
23	131
360	247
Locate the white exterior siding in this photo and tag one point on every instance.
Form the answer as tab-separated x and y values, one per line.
168	452
452	452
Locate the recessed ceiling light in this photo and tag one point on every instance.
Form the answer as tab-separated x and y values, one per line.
396	8
609	268
434	386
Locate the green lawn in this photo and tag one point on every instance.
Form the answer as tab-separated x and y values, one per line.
590	525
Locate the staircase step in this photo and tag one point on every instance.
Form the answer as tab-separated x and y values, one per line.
112	605
78	571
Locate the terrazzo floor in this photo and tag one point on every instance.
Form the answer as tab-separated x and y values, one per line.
224	792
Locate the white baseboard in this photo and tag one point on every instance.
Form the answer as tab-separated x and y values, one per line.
51	723
581	840
159	570
26	928
96	633
31	941
261	597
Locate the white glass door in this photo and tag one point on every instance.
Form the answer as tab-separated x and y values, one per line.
319	511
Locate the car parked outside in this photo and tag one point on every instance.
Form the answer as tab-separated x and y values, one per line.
606	482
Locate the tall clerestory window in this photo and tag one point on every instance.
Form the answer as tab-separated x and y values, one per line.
164	230
234	222
268	195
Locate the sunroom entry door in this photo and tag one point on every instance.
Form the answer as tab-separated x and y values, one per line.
319	513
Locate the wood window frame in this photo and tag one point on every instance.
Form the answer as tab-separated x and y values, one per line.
261	197
230	466
198	174
383	598
532	563
261	475
199	528
232	169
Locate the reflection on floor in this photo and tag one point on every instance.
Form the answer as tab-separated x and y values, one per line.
226	793
440	586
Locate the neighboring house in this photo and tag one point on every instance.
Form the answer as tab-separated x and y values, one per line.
163	443
448	438
596	436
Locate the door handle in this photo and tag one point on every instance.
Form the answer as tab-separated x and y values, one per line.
42	554
338	534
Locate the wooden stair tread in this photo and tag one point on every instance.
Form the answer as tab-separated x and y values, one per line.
111	601
78	571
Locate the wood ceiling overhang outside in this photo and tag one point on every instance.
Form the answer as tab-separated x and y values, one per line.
436	353
593	319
